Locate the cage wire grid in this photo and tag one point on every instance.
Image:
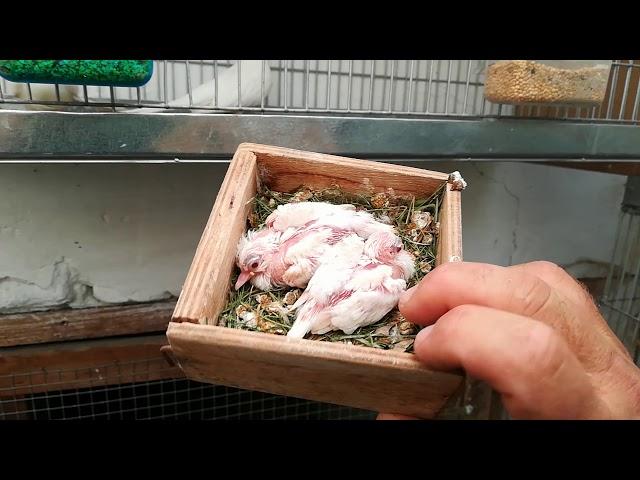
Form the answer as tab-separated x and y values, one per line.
620	300
412	88
152	392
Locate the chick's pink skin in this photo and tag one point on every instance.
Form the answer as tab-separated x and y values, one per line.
270	259
300	213
346	297
254	252
287	252
244	277
340	217
388	249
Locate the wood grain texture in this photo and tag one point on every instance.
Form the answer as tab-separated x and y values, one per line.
33	369
342	374
204	292
284	170
69	324
360	377
15	408
450	242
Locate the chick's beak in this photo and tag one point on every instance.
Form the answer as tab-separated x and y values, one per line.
244	277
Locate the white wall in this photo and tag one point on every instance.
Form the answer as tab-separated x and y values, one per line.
100	234
514	213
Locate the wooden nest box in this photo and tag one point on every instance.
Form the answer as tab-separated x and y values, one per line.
350	375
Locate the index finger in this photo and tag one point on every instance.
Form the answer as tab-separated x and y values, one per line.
570	288
527	362
559	279
511	290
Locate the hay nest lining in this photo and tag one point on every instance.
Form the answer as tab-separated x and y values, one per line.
416	221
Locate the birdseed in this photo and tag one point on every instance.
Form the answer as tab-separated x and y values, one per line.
524	82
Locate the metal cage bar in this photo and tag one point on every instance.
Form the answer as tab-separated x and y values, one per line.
421	88
620	300
68	395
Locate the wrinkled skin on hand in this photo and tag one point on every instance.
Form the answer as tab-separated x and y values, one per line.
530	331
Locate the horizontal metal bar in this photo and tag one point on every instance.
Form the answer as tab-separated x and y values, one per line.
106	105
620	64
65	135
618	310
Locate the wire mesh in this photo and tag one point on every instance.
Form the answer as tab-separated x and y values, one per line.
32	396
424	88
620	301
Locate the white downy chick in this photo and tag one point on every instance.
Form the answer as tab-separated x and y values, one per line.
300	213
349	294
252	90
341	217
270	259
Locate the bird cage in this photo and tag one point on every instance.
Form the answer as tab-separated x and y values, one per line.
201	110
412	88
620	299
277	86
61	365
146	389
366	108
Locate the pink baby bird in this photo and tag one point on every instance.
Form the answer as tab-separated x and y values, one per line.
349	293
297	214
287	252
271	259
345	216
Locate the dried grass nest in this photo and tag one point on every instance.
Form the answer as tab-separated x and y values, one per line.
416	222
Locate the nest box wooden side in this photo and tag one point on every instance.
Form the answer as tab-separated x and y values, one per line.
379	380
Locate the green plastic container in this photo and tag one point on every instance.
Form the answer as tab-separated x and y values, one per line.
104	73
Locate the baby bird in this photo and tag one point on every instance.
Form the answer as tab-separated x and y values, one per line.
340	217
270	259
300	213
349	293
288	250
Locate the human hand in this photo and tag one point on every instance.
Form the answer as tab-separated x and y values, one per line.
531	332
